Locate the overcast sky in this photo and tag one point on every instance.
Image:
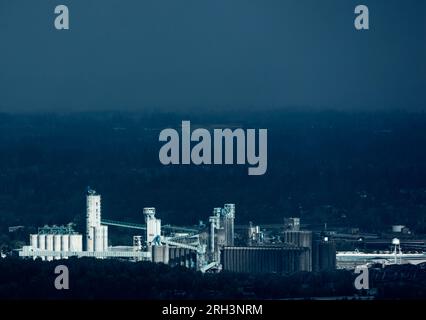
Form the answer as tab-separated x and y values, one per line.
174	54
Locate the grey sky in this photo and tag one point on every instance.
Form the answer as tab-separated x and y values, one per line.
174	54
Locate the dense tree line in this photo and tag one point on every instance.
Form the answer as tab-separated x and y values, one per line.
113	279
349	169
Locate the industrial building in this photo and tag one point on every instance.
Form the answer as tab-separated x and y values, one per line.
60	239
221	230
96	234
254	235
153	227
296	251
353	259
182	257
263	259
228	217
203	248
292	224
62	242
324	255
301	239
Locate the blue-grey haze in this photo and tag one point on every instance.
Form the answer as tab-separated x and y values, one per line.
194	54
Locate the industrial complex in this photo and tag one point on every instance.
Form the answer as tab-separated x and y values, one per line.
220	245
203	248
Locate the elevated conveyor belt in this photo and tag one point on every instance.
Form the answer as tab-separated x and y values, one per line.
132	225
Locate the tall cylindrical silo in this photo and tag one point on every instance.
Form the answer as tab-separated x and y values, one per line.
302	239
34	241
42	243
99	239
93	218
105	238
49	245
76	242
57	245
65	243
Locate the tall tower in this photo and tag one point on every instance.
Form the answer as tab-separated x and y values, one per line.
228	223
153	226
214	225
96	234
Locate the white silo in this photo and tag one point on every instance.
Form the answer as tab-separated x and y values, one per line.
79	240
73	246
42	244
49	245
95	232
57	245
42	241
228	223
153	225
76	242
65	243
105	237
98	240
34	241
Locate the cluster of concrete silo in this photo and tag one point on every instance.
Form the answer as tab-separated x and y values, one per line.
56	239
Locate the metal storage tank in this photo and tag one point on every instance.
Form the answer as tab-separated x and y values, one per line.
49	245
34	241
324	255
299	238
182	257
99	239
79	242
228	223
42	241
57	244
65	243
42	244
76	242
160	254
105	238
302	239
262	259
